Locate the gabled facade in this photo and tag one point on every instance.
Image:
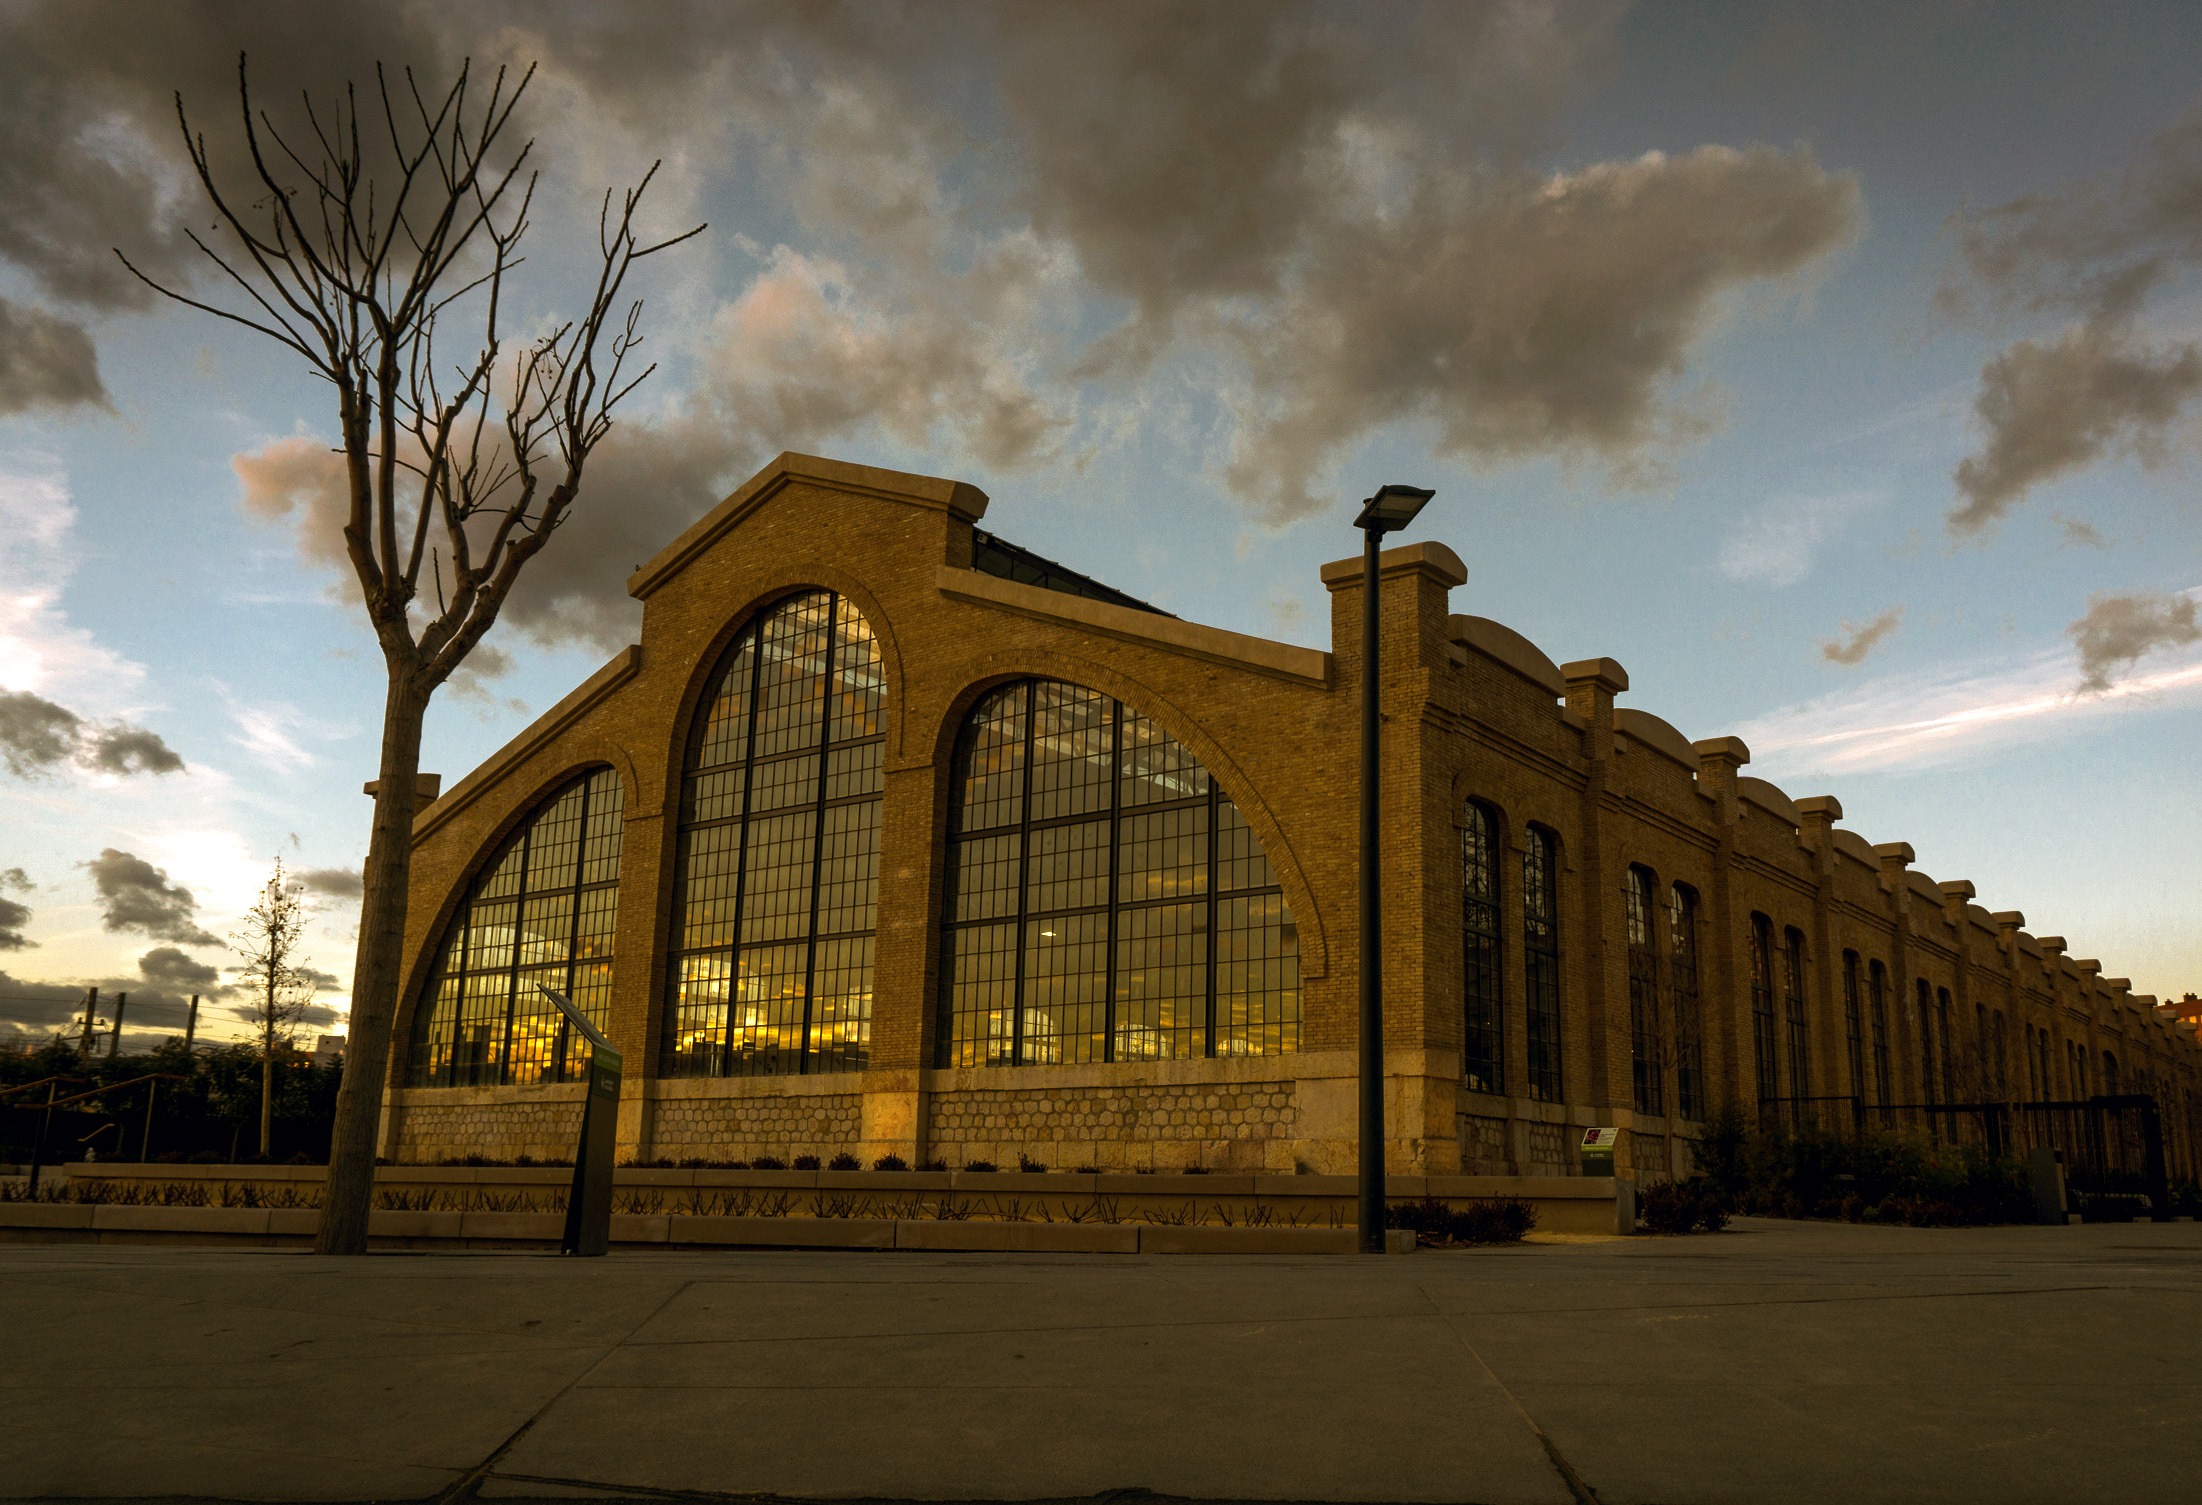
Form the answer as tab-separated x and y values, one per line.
892	838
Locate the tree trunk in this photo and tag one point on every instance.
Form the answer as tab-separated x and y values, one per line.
375	976
267	1095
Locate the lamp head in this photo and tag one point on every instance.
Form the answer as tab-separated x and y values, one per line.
1392	508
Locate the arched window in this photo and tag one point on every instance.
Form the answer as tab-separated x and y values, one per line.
1763	1051
1106	900
1541	960
1999	1054
1926	1044
776	887
1854	1025
543	911
1683	994
1647	1067
2111	1087
1943	1040
1483	1047
1877	988
1800	1075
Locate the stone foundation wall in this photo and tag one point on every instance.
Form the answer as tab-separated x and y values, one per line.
1485	1148
499	1123
726	1120
1224	1126
1553	1152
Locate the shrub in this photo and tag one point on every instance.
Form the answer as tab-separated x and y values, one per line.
930	1165
980	1165
806	1162
1029	1165
888	1163
843	1162
1692	1206
768	1163
1196	1170
1089	1170
1500	1220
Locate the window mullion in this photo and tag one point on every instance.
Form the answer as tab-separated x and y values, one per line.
1024	860
1116	813
817	841
741	844
1215	918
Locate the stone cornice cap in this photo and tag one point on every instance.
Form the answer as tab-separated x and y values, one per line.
1722	750
1898	852
1427	557
1957	888
1821	806
1605	673
2009	919
958	498
2053	944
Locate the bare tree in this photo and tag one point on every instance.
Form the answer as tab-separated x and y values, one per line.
353	256
274	974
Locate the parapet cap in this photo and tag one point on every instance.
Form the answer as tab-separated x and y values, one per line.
1820	807
2053	944
1498	641
426	787
1426	557
2089	965
1957	888
1895	853
2118	984
1601	673
2009	919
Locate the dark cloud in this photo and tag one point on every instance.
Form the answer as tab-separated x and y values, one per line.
2048	408
2095	254
45	362
1853	644
2119	630
13	915
37	736
135	895
130	749
168	967
341	883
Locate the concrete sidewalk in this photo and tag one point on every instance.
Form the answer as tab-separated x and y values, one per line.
1775	1362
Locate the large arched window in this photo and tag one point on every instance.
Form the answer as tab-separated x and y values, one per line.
1647	1056
1854	1025
1877	986
1764	1055
1684	992
1483	1042
542	912
1106	900
1541	960
1800	1075
776	893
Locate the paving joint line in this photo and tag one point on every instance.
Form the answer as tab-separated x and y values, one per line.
470	1484
1578	1487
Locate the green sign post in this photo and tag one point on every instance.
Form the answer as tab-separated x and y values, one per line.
589	1204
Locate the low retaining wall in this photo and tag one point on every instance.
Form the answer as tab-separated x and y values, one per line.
1564	1204
276	1228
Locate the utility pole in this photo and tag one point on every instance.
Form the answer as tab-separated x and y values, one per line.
91	1007
114	1045
191	1024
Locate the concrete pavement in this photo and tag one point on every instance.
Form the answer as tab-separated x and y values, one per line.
1776	1362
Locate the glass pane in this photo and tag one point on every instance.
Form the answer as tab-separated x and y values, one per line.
1066	989
766	1033
1163	855
783	783
1162	982
1069	867
1072	729
776	905
841	1014
982	991
848	876
859	682
986	877
1240	861
726	721
791	684
1257	977
1156	766
993	763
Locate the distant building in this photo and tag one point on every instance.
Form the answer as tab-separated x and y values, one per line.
2188	1011
328	1050
890	837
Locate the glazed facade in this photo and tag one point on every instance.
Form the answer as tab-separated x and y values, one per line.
891	838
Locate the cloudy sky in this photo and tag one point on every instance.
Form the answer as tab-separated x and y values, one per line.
1837	370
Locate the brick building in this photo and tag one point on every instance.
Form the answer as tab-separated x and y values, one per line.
891	837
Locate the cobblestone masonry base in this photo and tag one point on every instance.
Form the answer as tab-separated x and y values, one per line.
745	1125
1548	1151
1483	1147
495	1123
1235	1126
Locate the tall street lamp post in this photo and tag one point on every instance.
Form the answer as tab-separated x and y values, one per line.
1388	511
